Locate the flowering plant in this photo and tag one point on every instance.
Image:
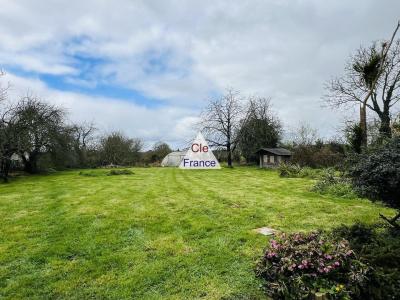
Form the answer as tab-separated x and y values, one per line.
297	265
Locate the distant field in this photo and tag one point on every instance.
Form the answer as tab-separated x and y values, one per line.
159	233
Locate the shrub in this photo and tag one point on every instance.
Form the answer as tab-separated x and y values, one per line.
358	235
120	172
334	185
319	155
89	174
297	265
379	247
376	174
289	170
295	171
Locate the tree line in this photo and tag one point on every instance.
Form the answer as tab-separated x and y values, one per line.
37	136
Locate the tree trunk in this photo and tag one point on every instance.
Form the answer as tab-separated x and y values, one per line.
385	129
30	165
5	169
363	125
229	152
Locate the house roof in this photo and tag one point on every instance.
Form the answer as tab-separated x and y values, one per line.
276	151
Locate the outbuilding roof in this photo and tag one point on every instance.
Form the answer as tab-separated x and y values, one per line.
276	151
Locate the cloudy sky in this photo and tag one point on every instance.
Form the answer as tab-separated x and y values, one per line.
147	68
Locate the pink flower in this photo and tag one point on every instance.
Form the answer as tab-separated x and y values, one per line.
337	264
271	254
274	244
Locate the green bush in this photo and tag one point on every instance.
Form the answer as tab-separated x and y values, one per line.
376	174
89	173
320	155
295	171
379	247
298	265
330	183
289	170
120	172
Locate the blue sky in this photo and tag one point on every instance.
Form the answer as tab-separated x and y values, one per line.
147	68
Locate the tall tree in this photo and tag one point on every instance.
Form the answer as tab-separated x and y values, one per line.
118	149
39	124
260	128
371	79
304	135
159	151
220	122
9	137
9	140
83	135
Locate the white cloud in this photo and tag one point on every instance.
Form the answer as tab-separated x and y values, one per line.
171	124
283	49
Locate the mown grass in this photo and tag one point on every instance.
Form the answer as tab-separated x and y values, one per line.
159	233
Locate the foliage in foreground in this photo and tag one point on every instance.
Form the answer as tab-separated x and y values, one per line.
352	262
298	265
379	247
376	174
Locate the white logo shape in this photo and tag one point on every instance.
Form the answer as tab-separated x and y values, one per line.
199	156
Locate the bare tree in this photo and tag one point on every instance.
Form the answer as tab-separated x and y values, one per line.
117	149
83	135
220	122
371	79
8	133
9	140
38	125
304	135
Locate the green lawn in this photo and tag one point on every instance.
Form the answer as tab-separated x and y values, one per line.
160	233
